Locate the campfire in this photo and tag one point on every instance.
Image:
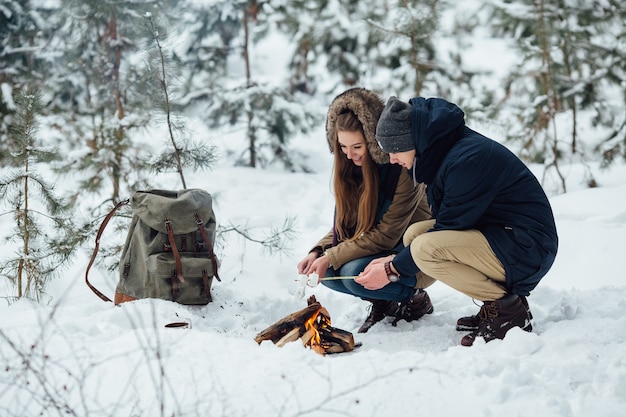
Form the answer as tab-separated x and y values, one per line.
312	326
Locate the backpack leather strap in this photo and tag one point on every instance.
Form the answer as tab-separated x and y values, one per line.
95	250
170	237
207	287
175	288
200	224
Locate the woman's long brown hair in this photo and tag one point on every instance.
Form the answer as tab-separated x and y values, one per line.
356	201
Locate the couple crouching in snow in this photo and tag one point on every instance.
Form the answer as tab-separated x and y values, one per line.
469	214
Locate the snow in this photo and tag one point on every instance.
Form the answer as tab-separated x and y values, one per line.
78	353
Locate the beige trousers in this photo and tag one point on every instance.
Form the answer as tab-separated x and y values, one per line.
461	259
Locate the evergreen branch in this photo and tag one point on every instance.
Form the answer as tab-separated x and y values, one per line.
168	109
275	241
45	190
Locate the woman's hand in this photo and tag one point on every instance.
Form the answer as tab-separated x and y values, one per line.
314	264
305	264
319	266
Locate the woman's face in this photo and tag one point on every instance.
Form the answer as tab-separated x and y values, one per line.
353	145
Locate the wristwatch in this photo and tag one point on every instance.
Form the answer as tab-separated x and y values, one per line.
390	275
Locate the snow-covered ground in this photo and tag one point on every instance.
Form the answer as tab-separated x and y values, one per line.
89	358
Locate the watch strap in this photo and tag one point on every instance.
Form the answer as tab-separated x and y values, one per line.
388	268
391	276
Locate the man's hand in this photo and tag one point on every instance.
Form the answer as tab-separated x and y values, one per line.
374	276
382	260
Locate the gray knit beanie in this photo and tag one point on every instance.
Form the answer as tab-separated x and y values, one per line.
393	131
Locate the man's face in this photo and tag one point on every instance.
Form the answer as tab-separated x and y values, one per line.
404	159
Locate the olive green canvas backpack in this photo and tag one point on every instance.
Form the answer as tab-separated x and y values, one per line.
168	253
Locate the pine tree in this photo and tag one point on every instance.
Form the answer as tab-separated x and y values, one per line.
184	152
570	66
24	34
331	36
269	113
209	37
109	106
408	50
388	46
44	228
607	49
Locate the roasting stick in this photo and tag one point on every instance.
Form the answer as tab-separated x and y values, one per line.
312	281
334	278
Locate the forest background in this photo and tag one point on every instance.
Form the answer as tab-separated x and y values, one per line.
116	86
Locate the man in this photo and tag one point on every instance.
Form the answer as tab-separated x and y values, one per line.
492	236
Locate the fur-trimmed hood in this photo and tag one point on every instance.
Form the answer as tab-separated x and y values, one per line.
367	106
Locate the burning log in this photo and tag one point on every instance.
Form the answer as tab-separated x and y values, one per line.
286	325
312	325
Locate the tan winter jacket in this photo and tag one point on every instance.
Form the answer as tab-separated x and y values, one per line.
409	203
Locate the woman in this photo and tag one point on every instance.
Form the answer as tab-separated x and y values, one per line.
374	205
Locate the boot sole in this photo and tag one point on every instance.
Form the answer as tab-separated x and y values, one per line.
430	311
394	323
466	328
528	327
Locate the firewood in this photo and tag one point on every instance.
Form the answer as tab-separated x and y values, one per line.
324	317
311	299
334	348
319	349
293	321
312	325
333	335
308	335
289	337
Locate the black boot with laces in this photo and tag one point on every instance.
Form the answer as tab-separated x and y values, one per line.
496	318
414	308
379	310
470	323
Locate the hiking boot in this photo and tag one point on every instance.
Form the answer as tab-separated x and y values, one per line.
496	318
378	311
414	308
470	323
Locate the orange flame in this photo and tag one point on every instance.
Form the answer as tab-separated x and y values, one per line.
310	326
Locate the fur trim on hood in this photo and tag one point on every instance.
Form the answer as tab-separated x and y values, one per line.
367	106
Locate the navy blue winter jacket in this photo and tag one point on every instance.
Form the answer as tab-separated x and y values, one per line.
482	185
